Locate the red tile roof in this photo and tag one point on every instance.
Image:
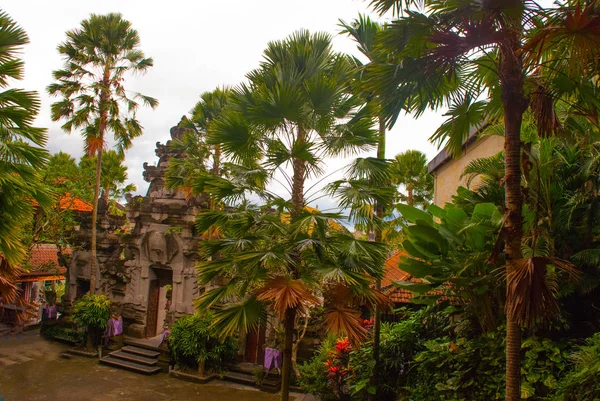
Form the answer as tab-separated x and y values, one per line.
72	203
393	273
43	261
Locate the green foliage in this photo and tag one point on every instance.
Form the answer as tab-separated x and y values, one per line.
427	357
64	333
455	249
91	312
113	175
458	368
583	381
409	169
193	340
314	373
99	54
22	155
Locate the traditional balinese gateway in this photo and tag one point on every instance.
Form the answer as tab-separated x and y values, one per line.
146	253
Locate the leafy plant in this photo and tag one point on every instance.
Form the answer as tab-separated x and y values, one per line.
314	379
583	381
91	313
194	342
65	333
259	375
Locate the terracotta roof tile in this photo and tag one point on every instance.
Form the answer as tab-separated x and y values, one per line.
72	203
393	273
43	261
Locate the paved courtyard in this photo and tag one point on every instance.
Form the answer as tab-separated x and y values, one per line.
31	369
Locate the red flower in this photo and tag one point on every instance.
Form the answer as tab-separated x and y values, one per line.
343	345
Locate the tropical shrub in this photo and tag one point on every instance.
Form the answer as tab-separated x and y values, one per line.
194	343
400	342
64	333
426	357
91	313
314	373
583	381
463	368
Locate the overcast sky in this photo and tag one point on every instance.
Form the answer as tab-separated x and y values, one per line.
197	46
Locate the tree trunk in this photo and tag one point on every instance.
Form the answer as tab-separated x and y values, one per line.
296	345
409	190
89	341
202	367
288	326
379	210
105	195
99	148
513	98
299	176
94	223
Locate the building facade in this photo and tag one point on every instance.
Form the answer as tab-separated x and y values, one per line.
447	171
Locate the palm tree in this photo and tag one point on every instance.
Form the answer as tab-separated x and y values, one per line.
519	54
294	111
409	169
113	174
21	155
98	56
364	32
193	143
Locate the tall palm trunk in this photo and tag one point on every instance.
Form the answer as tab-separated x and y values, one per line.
103	106
94	221
379	210
513	98
299	176
410	198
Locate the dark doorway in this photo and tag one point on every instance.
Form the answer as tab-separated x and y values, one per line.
152	314
157	300
83	287
255	340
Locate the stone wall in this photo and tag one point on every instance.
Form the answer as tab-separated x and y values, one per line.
154	239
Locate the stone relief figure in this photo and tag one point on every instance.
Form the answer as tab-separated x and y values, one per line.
80	264
159	248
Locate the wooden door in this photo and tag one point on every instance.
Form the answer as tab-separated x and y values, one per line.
255	340
251	354
152	314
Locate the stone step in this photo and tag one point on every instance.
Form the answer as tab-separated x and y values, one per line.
127	356
240	378
128	365
140	351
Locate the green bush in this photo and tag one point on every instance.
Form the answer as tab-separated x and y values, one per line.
91	313
194	343
64	333
583	380
314	373
425	357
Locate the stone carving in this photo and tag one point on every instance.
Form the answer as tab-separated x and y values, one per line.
159	248
155	240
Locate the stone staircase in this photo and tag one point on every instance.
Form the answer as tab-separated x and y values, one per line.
135	359
243	374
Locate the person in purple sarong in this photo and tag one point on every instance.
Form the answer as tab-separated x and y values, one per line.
273	354
114	328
